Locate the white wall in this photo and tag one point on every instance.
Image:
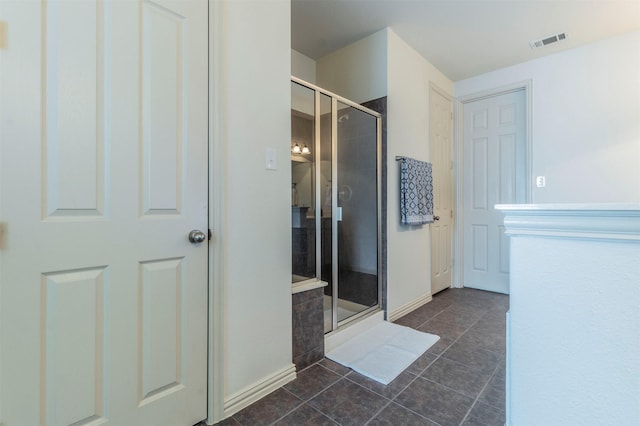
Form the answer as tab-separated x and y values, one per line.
303	67
409	261
357	72
256	231
586	119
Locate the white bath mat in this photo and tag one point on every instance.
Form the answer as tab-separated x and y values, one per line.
384	351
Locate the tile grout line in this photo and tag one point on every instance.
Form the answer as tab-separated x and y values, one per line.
406	408
290	411
306	401
475	401
389	402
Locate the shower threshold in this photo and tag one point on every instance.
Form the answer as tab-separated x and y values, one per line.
346	309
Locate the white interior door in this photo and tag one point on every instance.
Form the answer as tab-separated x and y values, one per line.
440	135
494	172
103	174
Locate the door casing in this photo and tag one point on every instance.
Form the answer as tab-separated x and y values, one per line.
527	86
435	89
215	360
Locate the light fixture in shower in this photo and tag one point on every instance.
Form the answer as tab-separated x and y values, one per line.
296	149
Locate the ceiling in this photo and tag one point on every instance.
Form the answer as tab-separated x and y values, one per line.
462	38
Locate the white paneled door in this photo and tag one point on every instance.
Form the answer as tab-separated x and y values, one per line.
494	172
103	175
440	136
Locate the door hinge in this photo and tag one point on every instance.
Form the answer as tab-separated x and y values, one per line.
3	35
3	237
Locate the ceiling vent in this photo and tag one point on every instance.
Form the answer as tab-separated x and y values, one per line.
536	44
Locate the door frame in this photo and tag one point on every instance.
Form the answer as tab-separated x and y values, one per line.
434	87
215	358
458	137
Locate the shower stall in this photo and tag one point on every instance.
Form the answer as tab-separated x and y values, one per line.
335	201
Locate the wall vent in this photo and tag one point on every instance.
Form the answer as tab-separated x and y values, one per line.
545	41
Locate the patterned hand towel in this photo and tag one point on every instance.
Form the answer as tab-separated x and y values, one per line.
416	192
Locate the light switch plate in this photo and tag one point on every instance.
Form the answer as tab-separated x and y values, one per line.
541	181
271	159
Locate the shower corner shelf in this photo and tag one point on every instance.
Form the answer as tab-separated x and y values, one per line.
299	159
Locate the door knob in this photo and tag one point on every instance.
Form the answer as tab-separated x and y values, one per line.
196	236
436	218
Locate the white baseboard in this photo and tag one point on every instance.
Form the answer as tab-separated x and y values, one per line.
409	307
338	337
257	390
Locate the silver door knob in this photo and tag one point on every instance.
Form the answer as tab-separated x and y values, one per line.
197	236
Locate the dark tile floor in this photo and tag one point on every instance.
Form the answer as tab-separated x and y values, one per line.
458	381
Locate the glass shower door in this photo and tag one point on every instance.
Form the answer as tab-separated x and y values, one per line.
325	168
356	199
335	227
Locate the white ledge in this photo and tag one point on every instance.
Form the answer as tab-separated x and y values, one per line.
583	221
307	285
